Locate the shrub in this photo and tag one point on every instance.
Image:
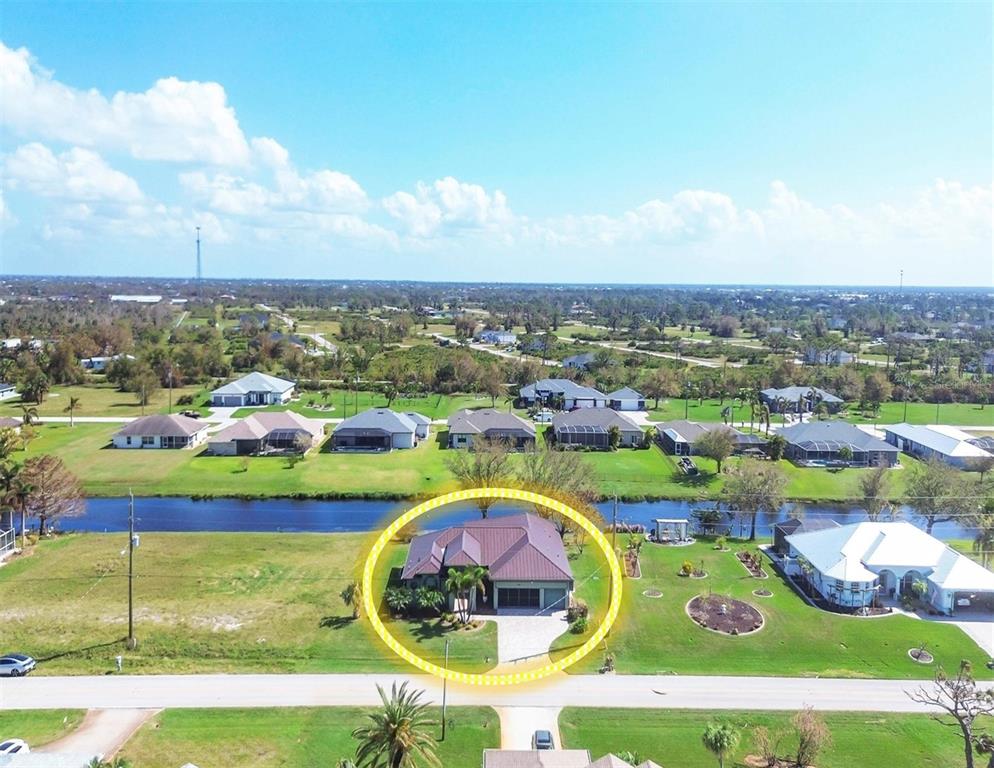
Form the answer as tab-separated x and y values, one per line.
578	610
687	568
579	626
720	542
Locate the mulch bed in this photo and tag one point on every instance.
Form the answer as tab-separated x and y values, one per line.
762	593
724	614
751	564
652	593
922	657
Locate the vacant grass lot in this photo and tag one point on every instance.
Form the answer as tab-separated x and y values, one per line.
673	737
267	738
342	403
38	727
101	400
655	635
206	603
106	471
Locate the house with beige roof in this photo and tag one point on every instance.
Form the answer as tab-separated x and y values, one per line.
554	758
161	431
267	432
468	425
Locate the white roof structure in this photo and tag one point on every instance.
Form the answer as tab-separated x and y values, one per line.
940	438
255	382
859	551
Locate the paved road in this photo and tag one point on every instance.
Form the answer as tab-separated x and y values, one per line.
666	692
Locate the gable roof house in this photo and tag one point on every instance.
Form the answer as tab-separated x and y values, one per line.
820	443
7	391
793	525
526	561
253	389
815	356
491	336
591	427
677	437
380	429
949	444
580	361
851	563
267	432
626	399
799	399
562	393
161	431
467	425
553	758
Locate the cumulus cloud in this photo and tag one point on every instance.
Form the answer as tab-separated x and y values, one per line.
76	174
323	191
174	120
449	205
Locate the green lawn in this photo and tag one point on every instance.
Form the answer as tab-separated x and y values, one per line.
342	403
38	727
958	414
673	737
101	400
268	738
207	603
655	635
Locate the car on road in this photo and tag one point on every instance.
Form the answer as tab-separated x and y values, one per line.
16	664
14	747
543	417
542	740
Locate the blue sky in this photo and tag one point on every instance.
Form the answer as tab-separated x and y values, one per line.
614	143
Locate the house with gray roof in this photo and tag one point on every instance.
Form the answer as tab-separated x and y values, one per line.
580	361
492	336
591	428
380	429
816	356
526	562
822	443
253	389
943	443
468	425
161	430
267	432
562	394
626	399
677	437
554	758
799	399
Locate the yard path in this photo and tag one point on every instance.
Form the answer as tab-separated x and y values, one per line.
649	691
518	725
102	733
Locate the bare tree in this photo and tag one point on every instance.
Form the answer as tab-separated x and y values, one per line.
753	487
875	487
56	491
562	475
960	698
487	464
934	492
812	736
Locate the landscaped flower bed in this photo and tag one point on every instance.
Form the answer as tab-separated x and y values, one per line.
724	614
753	563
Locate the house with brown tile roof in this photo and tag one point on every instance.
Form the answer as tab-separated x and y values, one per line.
468	425
526	562
267	432
161	431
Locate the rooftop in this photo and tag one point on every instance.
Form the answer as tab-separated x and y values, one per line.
383	419
162	425
949	441
258	425
563	387
795	393
831	435
593	420
483	420
254	382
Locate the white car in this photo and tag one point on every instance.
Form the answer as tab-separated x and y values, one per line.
14	747
543	417
16	665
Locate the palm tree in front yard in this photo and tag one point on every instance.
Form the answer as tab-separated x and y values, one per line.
29	415
461	582
74	405
399	735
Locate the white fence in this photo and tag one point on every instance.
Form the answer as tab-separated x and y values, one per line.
7	540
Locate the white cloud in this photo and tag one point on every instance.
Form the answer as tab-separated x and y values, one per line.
323	191
174	120
448	206
76	174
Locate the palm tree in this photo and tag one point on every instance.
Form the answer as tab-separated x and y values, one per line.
74	404
20	495
29	415
461	582
8	484
399	735
983	521
720	739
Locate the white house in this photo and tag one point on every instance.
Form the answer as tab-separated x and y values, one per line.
852	563
497	337
936	441
253	389
7	391
562	394
161	431
99	364
380	429
626	399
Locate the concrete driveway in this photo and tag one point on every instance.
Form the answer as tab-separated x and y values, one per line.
526	636
518	725
102	733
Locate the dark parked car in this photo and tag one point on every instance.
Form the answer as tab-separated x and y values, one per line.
16	664
542	740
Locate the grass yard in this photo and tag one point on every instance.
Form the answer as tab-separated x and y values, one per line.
673	737
102	400
342	403
206	603
957	414
38	727
306	736
655	635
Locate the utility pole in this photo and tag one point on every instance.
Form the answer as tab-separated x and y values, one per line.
200	273
143	398
445	688
169	375
132	643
